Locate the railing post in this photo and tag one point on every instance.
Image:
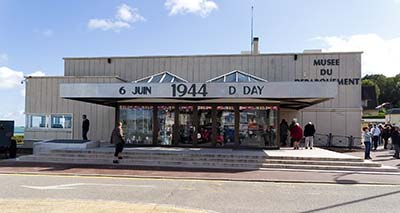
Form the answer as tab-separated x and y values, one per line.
351	142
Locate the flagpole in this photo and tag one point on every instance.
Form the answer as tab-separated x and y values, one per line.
251	39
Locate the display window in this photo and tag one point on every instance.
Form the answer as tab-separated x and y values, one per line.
258	126
137	123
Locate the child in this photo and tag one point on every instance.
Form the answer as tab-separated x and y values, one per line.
367	143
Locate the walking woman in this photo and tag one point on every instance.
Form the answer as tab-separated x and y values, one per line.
296	134
117	138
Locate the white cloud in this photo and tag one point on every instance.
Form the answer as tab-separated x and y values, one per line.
380	55
10	78
37	73
124	17
17	116
45	32
198	7
128	14
107	24
3	58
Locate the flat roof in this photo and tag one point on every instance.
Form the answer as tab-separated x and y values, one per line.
210	55
74	77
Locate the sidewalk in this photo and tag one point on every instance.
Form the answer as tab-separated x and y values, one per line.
383	156
272	175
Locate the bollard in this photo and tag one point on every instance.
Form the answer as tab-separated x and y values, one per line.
351	142
330	136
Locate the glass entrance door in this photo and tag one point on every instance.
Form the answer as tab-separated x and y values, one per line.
225	135
186	127
204	133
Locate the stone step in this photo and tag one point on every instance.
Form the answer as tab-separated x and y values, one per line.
155	157
214	159
204	164
164	163
328	163
145	154
328	167
166	154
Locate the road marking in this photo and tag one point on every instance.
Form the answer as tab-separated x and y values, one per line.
159	178
76	185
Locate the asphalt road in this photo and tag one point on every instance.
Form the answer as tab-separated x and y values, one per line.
41	193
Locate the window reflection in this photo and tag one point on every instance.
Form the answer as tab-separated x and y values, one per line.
258	126
166	120
186	127
137	124
205	126
225	126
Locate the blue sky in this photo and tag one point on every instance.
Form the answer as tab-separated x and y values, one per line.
36	35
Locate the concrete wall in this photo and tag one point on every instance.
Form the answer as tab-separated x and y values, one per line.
42	96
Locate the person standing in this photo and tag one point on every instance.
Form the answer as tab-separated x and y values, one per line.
396	142
309	131
296	134
367	142
117	138
294	121
284	127
385	135
375	136
85	127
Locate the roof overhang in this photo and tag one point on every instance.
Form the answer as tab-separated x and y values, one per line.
294	95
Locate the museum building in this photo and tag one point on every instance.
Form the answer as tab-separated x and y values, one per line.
198	101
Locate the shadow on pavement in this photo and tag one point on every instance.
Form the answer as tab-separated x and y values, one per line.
345	181
352	202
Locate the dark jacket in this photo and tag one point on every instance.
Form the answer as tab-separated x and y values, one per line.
309	130
117	136
395	138
386	133
85	125
284	128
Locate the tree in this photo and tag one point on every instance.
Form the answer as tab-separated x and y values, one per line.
368	82
387	88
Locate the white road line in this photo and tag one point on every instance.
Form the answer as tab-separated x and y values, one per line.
76	185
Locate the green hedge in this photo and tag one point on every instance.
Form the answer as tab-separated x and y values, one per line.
373	117
19	139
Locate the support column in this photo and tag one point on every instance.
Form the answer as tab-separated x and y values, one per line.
278	127
214	126
175	129
156	127
195	124
117	114
237	126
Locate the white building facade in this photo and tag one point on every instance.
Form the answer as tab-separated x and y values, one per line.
324	88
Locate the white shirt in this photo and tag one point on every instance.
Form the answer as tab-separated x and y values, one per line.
375	131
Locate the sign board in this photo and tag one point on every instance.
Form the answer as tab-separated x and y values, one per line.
200	90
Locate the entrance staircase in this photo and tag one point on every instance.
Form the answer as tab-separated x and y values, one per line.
316	159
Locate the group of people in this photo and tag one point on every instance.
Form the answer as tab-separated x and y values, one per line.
373	134
297	134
